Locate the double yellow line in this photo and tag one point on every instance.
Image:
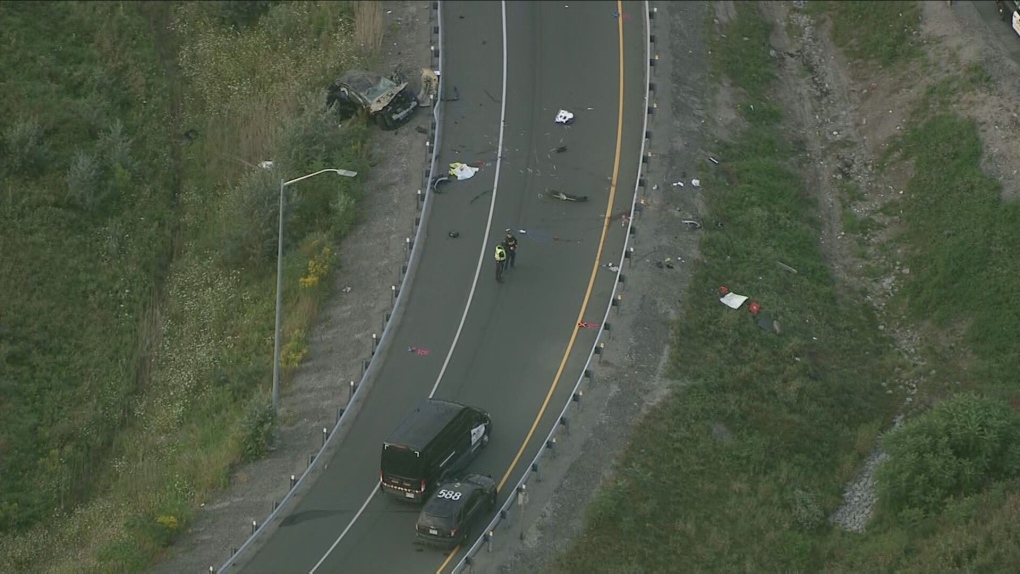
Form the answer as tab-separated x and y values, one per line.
587	293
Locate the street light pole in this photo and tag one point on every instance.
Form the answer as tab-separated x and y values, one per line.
279	279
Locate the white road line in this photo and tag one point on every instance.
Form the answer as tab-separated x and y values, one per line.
346	530
471	294
488	224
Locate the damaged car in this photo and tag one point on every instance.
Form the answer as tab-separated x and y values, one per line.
389	104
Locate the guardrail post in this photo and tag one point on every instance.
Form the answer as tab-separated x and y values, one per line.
254	526
600	350
325	433
608	328
488	540
353	385
311	459
293	481
393	290
577	399
590	375
565	423
535	469
551	445
617	302
505	517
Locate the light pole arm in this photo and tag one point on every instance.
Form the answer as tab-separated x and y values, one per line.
343	172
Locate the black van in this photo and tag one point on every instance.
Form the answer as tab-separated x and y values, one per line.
438	439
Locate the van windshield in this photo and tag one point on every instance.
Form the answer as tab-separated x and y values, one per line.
401	461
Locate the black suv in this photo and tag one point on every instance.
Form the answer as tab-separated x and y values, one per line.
455	510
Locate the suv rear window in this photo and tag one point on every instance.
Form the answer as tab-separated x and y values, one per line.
401	462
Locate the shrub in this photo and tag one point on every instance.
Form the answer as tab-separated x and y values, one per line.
954	450
239	14
294	351
83	181
25	148
257	428
250	220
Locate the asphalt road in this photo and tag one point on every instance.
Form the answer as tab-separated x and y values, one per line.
518	339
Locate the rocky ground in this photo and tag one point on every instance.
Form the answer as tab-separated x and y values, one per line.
370	260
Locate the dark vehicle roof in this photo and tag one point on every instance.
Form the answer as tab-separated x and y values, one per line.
447	507
422	425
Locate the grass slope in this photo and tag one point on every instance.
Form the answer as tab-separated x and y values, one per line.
738	470
138	244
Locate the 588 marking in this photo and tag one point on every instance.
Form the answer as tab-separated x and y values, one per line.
449	494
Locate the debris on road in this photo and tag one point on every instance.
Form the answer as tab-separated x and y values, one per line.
691	224
418	351
696	182
454	234
462	171
563	196
564	117
436	182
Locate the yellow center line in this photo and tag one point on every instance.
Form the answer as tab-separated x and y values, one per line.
587	294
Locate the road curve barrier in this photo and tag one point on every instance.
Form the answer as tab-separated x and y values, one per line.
380	343
598	347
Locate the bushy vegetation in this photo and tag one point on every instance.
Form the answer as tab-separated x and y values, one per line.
739	470
952	451
138	239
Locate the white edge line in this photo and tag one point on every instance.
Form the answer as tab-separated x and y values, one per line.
473	549
471	294
238	557
488	224
375	490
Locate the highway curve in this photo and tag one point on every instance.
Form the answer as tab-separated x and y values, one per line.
517	347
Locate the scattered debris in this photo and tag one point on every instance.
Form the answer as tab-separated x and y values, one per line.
696	182
477	197
421	129
436	182
584	325
678	184
564	117
766	323
266	164
429	85
418	351
786	267
560	149
346	289
713	160
563	196
454	234
691	224
667	263
612	267
462	171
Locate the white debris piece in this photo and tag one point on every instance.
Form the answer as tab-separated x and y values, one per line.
266	164
733	301
696	182
564	117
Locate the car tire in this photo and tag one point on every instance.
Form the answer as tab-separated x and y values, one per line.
485	440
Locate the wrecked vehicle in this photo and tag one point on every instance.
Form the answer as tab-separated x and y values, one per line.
389	104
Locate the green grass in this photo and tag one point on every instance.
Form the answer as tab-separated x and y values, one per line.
137	270
884	33
801	410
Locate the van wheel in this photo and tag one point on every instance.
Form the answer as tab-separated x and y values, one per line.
485	440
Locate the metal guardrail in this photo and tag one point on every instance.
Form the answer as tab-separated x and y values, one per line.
598	346
423	200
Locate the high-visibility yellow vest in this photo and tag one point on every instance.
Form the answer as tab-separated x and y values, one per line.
500	253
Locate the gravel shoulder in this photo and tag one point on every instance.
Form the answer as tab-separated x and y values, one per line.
370	261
